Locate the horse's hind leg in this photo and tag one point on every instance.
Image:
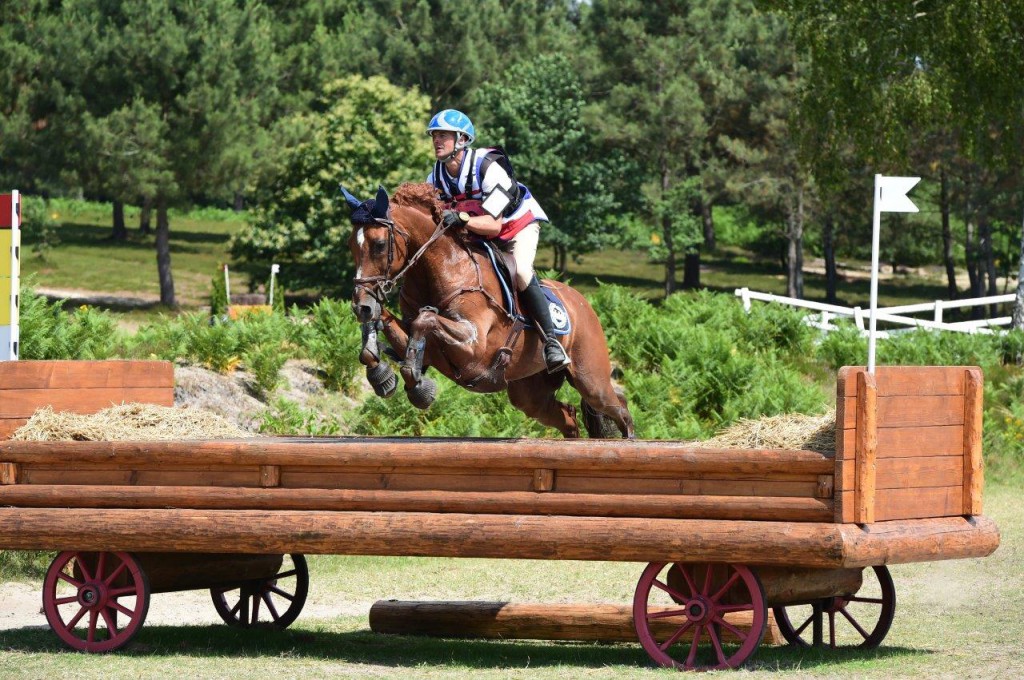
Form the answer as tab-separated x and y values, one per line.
535	396
605	401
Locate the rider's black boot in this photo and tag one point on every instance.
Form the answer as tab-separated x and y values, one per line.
536	305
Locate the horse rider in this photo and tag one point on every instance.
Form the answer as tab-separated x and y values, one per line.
480	186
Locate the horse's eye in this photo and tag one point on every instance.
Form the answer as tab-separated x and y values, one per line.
377	247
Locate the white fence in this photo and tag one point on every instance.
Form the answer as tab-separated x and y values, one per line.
894	315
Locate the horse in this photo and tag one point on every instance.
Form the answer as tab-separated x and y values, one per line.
453	319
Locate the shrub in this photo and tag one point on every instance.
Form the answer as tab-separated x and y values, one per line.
48	332
211	342
285	417
331	339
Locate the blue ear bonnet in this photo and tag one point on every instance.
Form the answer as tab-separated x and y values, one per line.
371	210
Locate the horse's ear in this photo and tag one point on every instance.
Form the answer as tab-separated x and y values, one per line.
380	204
352	201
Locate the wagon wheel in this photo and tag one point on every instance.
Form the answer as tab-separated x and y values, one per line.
85	591
699	603
863	618
245	604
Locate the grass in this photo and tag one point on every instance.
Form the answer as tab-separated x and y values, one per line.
85	258
954	619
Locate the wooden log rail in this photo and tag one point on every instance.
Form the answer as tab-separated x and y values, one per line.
807	544
526	621
579	478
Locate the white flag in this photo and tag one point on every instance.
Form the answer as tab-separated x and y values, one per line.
275	268
892	194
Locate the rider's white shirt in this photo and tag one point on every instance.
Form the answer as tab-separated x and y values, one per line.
492	189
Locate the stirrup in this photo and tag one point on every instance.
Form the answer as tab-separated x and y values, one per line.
555	356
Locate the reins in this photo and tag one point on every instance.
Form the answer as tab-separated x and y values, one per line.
380	286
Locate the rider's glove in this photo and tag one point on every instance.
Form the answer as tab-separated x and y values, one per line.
450	218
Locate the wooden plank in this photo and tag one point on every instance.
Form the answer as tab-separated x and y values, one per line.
911	412
699	487
866	446
9	426
909	380
85	374
794	544
826	486
902	442
169	477
917	503
8	473
406	481
900	473
543	480
527	621
974	480
270	475
512	502
614	456
22	403
846	379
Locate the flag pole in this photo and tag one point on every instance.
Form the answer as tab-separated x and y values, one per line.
876	228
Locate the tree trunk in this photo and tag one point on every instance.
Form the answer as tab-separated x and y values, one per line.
239	204
119	232
828	246
691	269
670	258
561	260
989	261
666	233
163	255
1018	305
795	251
144	216
708	220
947	236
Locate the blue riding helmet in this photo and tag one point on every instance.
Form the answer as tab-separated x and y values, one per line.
453	121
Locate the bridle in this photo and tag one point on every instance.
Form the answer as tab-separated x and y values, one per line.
379	287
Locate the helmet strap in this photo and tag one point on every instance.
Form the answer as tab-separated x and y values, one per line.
459	146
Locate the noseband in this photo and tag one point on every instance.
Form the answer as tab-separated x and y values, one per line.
380	287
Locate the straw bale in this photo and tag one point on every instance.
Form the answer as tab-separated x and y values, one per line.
787	431
127	422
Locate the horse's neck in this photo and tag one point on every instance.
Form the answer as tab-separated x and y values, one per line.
445	268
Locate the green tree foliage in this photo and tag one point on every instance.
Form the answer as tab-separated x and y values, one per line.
535	112
447	49
369	132
672	88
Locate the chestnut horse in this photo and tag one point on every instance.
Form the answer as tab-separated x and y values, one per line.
453	319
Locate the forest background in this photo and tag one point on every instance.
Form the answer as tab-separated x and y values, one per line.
672	131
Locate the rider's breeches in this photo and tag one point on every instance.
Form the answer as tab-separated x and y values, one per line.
524	250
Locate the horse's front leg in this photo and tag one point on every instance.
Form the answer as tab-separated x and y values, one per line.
429	322
379	373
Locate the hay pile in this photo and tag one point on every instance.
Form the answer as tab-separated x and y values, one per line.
127	422
788	431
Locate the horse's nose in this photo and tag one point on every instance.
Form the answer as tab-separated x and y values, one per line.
363	312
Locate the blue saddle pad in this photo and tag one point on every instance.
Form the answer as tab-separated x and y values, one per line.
559	316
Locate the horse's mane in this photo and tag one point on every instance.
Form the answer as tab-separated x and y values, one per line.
422	196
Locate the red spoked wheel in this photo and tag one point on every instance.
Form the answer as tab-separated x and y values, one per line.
697	598
84	594
273	602
858	620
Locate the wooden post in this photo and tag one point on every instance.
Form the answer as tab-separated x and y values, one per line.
270	475
973	464
866	448
514	621
543	479
8	473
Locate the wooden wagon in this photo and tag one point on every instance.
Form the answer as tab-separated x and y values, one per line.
726	533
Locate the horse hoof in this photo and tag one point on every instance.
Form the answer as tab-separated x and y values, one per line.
382	379
423	394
